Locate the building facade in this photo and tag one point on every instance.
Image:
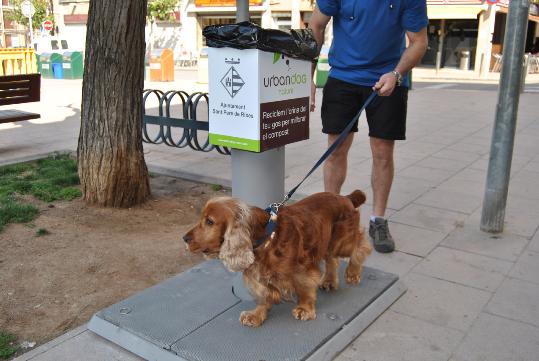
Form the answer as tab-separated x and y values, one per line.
12	35
457	28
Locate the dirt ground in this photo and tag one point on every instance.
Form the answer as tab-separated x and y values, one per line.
93	257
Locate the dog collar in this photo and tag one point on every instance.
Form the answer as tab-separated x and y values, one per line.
270	227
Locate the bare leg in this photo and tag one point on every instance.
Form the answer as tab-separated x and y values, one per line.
336	165
382	173
331	278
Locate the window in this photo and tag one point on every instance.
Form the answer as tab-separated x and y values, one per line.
64	44
283	21
54	45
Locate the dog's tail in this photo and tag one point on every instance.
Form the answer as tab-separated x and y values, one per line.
357	197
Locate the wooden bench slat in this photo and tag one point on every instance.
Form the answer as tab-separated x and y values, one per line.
16	89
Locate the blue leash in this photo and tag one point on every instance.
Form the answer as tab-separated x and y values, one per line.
273	209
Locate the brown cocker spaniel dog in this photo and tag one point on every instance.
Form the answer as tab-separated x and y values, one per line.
322	227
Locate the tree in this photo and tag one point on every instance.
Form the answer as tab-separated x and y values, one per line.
42	13
162	10
111	161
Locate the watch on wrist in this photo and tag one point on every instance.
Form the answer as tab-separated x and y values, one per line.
398	76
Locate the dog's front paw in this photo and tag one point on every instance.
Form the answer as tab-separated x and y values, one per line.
303	314
352	276
251	319
329	285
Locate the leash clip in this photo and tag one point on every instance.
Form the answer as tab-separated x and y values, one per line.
275	206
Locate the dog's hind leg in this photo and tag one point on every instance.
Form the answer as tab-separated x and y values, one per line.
306	285
355	265
330	282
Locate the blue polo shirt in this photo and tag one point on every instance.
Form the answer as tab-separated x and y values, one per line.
369	36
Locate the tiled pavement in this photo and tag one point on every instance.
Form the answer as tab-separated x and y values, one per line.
471	296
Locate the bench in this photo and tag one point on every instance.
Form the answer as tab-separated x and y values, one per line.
16	89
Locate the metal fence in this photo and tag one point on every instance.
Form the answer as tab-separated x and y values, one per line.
176	124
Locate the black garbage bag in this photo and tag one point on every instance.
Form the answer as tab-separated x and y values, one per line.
299	44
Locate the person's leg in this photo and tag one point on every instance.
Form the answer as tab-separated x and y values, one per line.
382	173
336	164
387	123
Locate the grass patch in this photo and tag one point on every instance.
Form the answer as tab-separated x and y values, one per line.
7	345
47	179
42	232
216	187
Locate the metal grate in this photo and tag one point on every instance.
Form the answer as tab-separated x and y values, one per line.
194	316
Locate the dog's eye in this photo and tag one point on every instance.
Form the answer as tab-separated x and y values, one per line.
209	222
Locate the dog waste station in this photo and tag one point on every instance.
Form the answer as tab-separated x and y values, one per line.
259	101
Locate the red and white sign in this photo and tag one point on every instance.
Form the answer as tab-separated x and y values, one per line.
47	25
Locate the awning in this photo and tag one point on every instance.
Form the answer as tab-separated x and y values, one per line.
191	8
453	11
503	9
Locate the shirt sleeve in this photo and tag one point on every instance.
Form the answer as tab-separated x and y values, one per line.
328	7
415	17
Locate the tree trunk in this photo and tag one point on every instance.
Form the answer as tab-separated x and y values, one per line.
112	169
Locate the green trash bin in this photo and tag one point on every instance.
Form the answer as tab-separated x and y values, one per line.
44	65
73	65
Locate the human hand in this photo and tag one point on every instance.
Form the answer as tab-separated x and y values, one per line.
385	85
313	96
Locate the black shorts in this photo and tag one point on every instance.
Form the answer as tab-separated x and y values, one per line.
386	115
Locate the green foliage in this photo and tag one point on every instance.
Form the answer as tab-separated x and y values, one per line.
48	179
162	10
42	232
7	345
216	187
42	8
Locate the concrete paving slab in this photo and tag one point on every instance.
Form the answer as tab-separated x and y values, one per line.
470	238
527	267
534	243
397	337
445	164
441	302
494	338
516	300
457	155
396	262
435	176
450	200
430	218
415	241
405	190
84	346
465	268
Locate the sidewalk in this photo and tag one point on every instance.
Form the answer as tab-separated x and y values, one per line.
471	296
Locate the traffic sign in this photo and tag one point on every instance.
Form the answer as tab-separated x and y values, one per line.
47	25
27	8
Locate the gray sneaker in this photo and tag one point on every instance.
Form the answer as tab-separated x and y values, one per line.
381	238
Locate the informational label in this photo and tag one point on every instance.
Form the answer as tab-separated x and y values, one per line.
67	66
45	66
259	100
155	66
284	122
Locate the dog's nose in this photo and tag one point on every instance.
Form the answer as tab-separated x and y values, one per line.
187	238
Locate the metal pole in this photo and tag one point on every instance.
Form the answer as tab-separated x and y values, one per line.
501	149
439	53
257	178
31	33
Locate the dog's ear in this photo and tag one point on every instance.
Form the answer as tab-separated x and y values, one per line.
237	248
